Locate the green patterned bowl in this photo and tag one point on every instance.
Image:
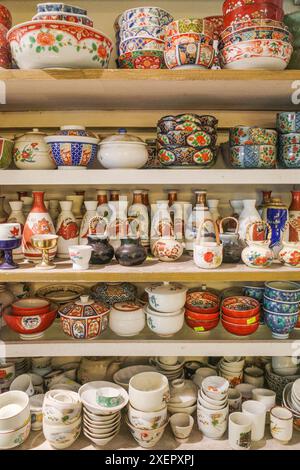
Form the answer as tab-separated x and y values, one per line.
6	153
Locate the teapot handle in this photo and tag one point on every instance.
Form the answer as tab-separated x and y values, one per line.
229	218
202	225
93	225
263	224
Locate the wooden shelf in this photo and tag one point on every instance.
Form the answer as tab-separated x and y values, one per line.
162	177
185	343
148	89
152	270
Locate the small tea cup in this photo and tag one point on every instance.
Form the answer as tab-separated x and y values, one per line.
182	425
281	425
7	371
254	376
80	256
108	397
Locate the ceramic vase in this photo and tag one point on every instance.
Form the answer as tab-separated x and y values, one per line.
131	252
3	213
276	214
17	216
103	208
54	210
66	229
117	223
77	200
294	217
248	215
38	223
91	211
139	212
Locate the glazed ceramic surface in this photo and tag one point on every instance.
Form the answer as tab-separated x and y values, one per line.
6	152
111	293
66	229
253	156
166	297
126	319
283	291
122	150
277	306
31	152
288	122
149	391
280	324
164	324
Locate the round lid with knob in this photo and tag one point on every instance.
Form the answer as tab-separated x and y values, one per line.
83	308
122	137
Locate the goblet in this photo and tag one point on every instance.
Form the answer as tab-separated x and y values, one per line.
7	246
44	243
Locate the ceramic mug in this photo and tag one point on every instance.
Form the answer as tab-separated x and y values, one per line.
80	256
10	231
108	397
212	423
256	411
254	376
266	396
23	383
281	425
239	431
38	383
7	371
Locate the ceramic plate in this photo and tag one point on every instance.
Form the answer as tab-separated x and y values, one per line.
61	293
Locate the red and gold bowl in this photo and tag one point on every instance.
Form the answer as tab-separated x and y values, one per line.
31	326
200	326
30	306
202	302
241	321
240	330
202	316
240	306
232	5
249	12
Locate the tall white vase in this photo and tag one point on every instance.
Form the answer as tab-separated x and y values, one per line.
91	211
248	215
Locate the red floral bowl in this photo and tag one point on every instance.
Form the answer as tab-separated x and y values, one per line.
231	5
241	321
240	330
31	325
199	326
30	306
201	316
240	306
5	17
202	302
261	10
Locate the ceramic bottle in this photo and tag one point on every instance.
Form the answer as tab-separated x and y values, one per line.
198	215
276	214
91	211
146	202
294	217
179	211
31	152
17	216
249	215
38	222
54	210
160	213
103	209
66	229
3	213
139	212
117	219
77	200
266	196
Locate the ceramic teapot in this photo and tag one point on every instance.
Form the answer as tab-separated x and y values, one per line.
102	252
258	253
289	254
232	246
208	254
167	248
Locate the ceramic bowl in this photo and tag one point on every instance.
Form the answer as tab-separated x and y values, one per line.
62	436
288	122
231	5
240	307
283	291
49	7
190	410
200	326
6	152
86	327
211	423
187	156
11	439
32	47
256	292
280	324
289	139
28	325
141	22
219	401
245	390
197	139
72	151
146	438
253	11
113	292
142	59
289	155
88	392
243	135
253	156
189	56
202	302
147	419
122	151
167	298
149	391
61	407
144	12
284	365
123	376
155	32
254	376
241	321
30	306
72	18
254	33
277	306
190	25
101	431
101	419
14	411
233	364
215	387
141	44
100	441
126	319
201	316
240	330
164	324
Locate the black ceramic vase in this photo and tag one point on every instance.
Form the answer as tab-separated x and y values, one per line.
131	252
102	252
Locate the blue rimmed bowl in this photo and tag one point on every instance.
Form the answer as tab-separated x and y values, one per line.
284	291
68	151
277	306
280	324
256	292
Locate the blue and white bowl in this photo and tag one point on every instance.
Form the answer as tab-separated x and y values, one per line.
280	324
72	152
280	307
155	32
56	7
284	291
144	12
256	292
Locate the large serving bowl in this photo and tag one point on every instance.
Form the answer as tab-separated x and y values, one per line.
14	410
58	44
6	149
280	324
253	156
31	326
72	151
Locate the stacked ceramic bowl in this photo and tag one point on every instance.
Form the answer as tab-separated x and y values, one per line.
281	307
5	24
122	377
22	364
292	21
256	291
147	410
31	317
288	127
212	407
240	315
202	310
187	140
252	147
171	367
59	36
140	34
61	418
183	397
14	419
254	36
189	44
165	312
277	382
102	405
291	400
231	368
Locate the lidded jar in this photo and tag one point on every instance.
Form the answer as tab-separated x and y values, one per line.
31	151
72	130
122	150
126	318
166	297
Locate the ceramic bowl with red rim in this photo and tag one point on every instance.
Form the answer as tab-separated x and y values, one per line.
202	302
189	55
231	5
246	13
30	306
59	16
200	326
254	23
251	34
142	60
202	316
190	25
31	326
240	307
218	24
240	330
187	38
241	321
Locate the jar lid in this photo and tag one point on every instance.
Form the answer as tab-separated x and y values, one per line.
85	307
122	137
126	306
166	288
75	131
35	131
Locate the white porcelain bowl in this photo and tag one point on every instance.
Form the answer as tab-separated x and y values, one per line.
61	407
149	391
14	410
164	324
102	424
128	322
123	376
88	392
183	409
123	155
146	438
62	436
97	440
101	432
9	440
166	297
147	419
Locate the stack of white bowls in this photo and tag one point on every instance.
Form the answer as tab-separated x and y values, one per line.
170	366
231	368
61	418
102	416
14	419
147	410
212	407
183	397
290	400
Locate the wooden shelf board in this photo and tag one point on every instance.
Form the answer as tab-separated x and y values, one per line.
185	343
96	178
148	89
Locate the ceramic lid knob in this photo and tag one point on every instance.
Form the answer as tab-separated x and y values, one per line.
84	299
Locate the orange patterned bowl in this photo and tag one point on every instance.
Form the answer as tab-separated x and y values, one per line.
200	326
240	330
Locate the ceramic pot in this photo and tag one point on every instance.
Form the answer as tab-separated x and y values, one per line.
183	393
166	297
207	255
17	215
131	252
232	247
122	150
31	152
126	319
290	251
102	252
167	249
91	212
66	229
258	253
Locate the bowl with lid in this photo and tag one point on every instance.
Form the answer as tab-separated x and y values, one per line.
166	297
164	324
122	150
72	151
84	318
126	318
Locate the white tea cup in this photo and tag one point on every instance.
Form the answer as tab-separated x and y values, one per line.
80	256
256	411
239	431
281	424
23	383
182	425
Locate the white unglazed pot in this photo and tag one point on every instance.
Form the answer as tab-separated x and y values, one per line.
126	319
31	152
